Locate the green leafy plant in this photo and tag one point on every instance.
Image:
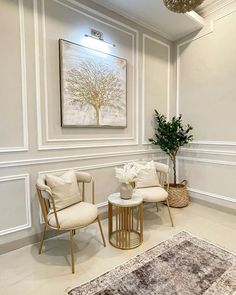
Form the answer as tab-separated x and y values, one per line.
170	136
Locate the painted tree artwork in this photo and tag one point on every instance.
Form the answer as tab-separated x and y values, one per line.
93	87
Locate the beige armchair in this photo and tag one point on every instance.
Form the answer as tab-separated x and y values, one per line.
71	218
156	194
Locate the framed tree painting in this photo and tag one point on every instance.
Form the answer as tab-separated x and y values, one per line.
93	87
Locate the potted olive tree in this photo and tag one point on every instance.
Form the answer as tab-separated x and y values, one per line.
170	136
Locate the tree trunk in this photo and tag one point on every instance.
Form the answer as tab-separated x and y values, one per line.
97	115
174	168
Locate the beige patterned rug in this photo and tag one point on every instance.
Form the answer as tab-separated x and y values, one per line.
181	265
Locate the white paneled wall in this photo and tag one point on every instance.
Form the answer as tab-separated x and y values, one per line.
15	203
205	96
32	140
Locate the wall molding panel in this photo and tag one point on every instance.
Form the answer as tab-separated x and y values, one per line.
134	19
208	151
98	166
145	36
75	143
211	195
25	178
209	161
23	85
39	161
202	34
216	143
90	11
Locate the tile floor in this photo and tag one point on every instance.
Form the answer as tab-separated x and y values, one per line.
25	272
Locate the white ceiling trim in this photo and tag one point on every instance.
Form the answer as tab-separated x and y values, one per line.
138	21
207	9
196	17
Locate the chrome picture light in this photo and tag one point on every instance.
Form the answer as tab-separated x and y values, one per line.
97	35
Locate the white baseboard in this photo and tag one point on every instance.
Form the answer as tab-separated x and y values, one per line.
214	199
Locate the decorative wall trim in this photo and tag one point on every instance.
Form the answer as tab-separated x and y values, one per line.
212	195
202	160
202	142
201	35
37	73
215	7
211	161
97	166
208	151
81	142
145	36
97	13
92	167
23	84
25	177
29	162
134	62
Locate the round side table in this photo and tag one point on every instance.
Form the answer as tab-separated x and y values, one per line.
126	226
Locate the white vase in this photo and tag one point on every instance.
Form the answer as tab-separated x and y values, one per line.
126	190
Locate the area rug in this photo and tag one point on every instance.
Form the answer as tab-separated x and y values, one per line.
183	264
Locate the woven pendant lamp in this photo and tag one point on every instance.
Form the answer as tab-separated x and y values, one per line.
182	6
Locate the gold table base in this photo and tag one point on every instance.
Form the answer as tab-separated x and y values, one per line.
126	226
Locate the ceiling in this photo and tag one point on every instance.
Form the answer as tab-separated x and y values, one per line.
155	16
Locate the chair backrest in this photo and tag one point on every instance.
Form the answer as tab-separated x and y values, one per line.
162	170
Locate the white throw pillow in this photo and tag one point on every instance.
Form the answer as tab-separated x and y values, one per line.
65	190
147	175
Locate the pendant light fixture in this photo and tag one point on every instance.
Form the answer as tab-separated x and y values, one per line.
182	6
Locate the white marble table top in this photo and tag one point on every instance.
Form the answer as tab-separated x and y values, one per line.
116	200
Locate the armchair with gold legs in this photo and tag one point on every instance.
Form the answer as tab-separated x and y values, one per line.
158	194
77	215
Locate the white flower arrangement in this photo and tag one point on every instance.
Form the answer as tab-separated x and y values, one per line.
126	174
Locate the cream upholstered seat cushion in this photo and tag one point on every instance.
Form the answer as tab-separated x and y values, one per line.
77	215
152	194
64	188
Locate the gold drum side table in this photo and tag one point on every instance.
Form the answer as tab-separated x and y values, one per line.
125	221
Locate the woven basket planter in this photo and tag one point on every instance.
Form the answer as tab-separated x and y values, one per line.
178	195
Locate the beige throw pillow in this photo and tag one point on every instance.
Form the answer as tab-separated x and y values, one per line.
65	190
147	175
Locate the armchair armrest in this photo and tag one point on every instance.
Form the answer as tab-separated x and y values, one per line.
160	167
164	169
40	184
44	192
83	177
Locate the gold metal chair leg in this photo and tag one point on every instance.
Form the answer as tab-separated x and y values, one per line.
72	252
100	227
171	220
43	236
